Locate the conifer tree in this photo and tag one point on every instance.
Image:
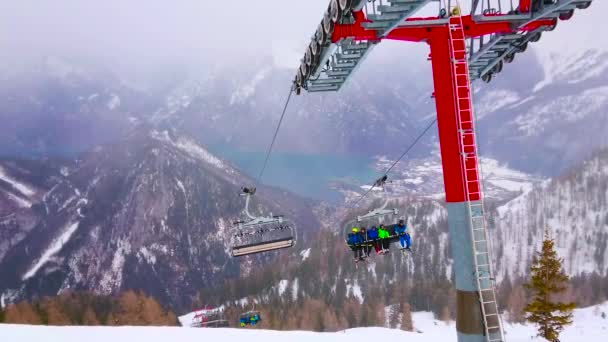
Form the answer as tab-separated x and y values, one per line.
548	280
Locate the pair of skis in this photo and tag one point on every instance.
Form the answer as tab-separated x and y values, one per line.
404	251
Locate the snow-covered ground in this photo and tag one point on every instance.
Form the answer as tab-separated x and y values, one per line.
589	326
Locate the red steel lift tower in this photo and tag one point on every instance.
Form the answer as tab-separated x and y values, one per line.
463	48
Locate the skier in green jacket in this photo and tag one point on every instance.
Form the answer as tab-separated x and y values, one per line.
383	235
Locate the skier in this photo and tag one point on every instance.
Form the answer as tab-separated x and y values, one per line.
372	237
354	241
404	236
383	235
365	247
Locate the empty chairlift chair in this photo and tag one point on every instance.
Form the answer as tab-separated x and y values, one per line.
209	318
261	234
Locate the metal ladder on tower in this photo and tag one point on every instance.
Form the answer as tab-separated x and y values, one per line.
472	183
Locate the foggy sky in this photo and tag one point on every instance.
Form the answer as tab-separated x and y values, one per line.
155	32
152	30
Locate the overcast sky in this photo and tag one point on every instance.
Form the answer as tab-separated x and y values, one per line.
152	29
166	31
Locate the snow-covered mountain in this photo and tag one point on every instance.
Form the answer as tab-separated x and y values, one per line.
573	207
552	98
153	211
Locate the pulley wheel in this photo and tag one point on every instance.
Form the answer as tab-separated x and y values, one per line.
299	78
314	47
509	58
308	56
567	15
487	78
328	25
523	47
321	36
304	69
497	68
583	5
315	50
334	11
536	37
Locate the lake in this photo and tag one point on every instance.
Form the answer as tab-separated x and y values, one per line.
308	175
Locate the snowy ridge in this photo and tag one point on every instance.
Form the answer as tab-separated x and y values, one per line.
22	188
571	108
53	249
189	147
573	207
247	90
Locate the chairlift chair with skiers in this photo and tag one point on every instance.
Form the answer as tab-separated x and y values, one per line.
377	229
377	216
259	234
250	318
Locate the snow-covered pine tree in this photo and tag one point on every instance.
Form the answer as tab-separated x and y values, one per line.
548	280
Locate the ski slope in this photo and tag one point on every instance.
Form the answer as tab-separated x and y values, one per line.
589	326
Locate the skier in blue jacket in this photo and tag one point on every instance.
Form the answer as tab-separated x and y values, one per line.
355	241
404	237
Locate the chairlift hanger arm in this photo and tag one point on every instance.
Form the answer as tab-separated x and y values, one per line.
247	199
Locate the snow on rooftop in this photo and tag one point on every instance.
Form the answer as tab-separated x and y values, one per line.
53	249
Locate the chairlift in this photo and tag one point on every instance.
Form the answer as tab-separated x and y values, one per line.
251	317
377	216
209	318
259	234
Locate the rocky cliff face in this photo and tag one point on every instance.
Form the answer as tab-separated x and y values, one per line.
153	211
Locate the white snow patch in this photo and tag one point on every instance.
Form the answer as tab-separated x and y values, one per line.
54	248
247	90
283	286
20	201
147	255
198	152
493	100
305	254
294	289
181	186
113	278
114	102
355	291
22	188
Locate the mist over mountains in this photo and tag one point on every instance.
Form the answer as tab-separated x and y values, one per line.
106	181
